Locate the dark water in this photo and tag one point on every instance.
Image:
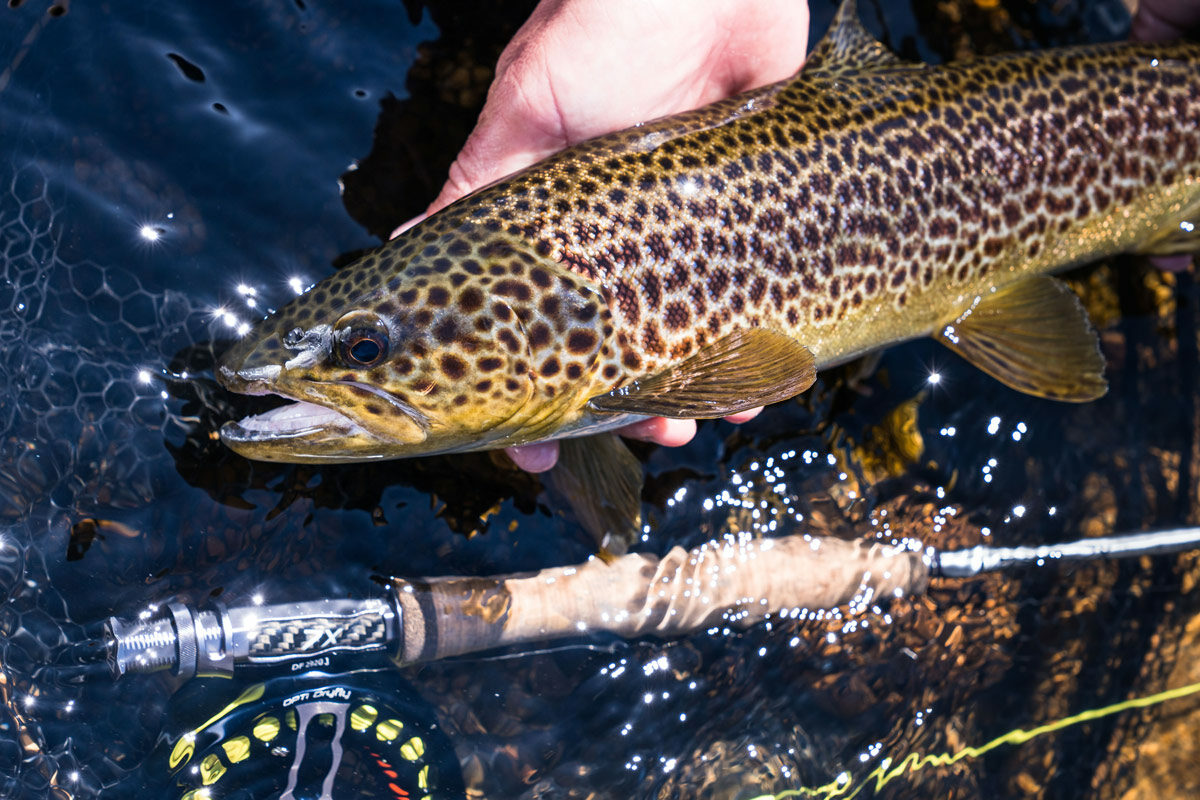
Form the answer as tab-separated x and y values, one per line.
222	135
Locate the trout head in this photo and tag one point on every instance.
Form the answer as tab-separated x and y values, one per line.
436	342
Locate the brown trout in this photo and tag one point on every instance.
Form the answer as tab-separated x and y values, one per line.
710	262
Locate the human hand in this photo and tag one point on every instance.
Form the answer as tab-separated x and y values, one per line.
580	68
1163	21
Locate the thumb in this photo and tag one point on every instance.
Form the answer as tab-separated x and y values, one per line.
521	121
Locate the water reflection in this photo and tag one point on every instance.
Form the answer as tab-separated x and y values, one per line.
115	495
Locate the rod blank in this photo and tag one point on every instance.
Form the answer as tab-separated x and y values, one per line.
985	558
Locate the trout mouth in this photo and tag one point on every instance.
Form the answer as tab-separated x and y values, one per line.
297	419
312	427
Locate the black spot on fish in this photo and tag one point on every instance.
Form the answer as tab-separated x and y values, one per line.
585	313
581	341
446	331
676	316
515	289
470	300
453	367
539	335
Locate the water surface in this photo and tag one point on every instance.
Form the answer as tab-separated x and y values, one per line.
172	170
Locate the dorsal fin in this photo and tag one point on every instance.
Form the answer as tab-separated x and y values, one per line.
848	47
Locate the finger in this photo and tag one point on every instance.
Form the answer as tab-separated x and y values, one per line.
667	432
536	457
744	416
1163	20
1172	263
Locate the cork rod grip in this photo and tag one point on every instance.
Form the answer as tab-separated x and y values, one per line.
638	594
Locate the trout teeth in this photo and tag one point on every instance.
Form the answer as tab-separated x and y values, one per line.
268	372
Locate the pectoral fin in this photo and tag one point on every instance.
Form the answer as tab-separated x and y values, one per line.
746	369
602	481
1033	336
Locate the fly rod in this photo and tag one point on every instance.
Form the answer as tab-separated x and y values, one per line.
726	582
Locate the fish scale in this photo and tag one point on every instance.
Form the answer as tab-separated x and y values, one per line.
867	198
709	262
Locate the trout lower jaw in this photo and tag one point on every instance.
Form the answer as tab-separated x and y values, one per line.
303	431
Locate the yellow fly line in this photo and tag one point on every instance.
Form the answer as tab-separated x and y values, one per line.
844	785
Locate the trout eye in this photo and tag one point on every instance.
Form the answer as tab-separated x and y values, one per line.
364	348
361	341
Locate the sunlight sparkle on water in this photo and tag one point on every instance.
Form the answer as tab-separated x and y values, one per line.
987	470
